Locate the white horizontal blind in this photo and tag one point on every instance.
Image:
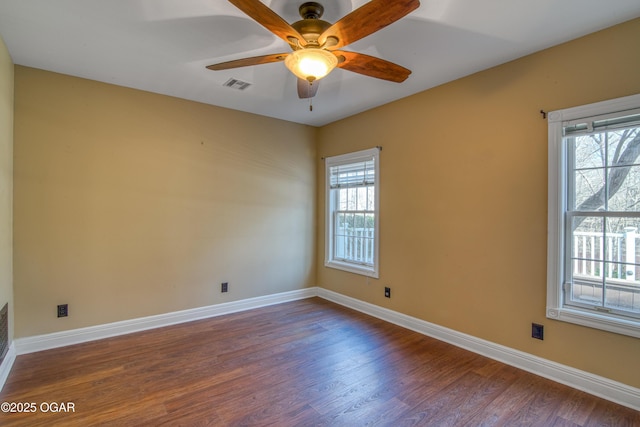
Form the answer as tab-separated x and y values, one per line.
621	120
353	174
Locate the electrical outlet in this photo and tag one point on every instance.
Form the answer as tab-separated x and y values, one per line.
224	287
537	331
387	292
63	310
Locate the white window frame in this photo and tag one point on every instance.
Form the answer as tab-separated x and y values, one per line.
331	206
557	207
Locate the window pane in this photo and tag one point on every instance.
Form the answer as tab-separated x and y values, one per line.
362	203
587	247
341	224
622	233
339	242
589	189
624	189
622	147
622	294
352	198
588	151
342	199
341	234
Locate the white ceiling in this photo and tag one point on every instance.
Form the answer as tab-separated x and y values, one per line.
163	46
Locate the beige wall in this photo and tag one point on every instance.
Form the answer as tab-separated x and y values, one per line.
463	205
6	182
129	204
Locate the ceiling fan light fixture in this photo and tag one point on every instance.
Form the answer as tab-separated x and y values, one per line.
311	63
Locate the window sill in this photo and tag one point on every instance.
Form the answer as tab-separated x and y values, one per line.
595	320
353	268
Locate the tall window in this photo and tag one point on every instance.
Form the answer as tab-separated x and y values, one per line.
351	241
594	215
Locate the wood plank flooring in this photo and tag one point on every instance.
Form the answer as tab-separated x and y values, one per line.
302	363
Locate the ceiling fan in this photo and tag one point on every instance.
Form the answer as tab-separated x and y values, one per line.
316	43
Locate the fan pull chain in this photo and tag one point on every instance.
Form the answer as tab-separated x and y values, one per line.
310	98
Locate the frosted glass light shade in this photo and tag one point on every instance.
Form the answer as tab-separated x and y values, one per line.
311	64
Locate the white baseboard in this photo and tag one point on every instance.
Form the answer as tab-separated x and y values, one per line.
593	384
92	333
581	380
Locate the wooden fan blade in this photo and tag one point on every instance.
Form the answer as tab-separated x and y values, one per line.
266	17
245	62
307	90
372	66
366	20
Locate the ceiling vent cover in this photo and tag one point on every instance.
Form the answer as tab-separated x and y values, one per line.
236	84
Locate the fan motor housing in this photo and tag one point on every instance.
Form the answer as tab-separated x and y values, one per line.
311	26
311	29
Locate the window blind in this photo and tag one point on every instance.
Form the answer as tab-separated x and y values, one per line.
628	119
356	174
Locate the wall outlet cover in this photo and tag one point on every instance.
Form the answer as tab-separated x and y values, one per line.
63	310
537	331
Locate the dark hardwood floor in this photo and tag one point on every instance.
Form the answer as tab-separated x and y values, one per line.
303	363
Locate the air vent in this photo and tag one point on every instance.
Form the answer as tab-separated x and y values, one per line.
4	331
236	84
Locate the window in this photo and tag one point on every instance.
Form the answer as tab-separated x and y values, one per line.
594	216
351	241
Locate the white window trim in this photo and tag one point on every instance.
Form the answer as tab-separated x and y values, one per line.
555	226
370	271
